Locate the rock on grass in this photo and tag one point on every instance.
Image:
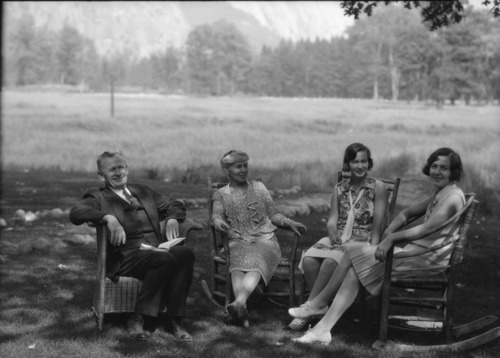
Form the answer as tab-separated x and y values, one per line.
79	239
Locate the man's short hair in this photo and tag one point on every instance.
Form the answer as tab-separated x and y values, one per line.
108	155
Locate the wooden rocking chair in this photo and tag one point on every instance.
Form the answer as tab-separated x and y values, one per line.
220	278
432	293
392	188
121	296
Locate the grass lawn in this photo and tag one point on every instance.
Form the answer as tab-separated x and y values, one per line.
47	286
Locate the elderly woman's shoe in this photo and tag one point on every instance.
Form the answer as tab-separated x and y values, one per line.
245	323
233	309
242	313
323	338
298	324
305	311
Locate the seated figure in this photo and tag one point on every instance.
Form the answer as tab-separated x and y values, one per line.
244	210
356	218
132	213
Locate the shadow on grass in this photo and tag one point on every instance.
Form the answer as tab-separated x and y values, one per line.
47	294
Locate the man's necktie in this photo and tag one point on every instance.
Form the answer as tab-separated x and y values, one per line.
132	200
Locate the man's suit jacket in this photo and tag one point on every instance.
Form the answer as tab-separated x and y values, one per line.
98	202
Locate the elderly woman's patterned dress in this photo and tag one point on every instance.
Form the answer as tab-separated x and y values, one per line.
411	256
363	221
252	243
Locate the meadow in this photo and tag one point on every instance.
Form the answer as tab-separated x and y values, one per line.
290	141
49	145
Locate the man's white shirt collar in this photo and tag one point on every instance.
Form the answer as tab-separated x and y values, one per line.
120	193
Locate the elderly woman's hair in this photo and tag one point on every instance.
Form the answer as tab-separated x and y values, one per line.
352	151
116	153
233	156
456	167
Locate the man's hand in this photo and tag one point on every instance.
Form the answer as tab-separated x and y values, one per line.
221	225
117	234
172	229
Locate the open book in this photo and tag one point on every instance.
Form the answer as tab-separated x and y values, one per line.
164	245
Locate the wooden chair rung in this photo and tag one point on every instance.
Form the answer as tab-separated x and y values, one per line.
417	300
219	294
220	277
419	281
219	260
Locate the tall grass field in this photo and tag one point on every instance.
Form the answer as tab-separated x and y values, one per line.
49	145
290	141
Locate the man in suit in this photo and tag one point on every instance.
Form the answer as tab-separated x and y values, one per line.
133	214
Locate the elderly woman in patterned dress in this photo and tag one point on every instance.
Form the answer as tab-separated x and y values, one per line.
363	265
356	217
245	211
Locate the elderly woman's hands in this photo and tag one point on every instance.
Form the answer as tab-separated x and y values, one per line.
221	225
383	248
296	227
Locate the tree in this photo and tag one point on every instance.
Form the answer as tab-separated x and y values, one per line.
70	45
436	13
21	43
45	66
218	59
367	38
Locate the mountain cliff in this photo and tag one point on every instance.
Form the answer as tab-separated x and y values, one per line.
141	27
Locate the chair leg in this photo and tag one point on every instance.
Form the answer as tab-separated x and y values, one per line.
384	312
302	289
99	316
362	303
228	288
448	317
291	278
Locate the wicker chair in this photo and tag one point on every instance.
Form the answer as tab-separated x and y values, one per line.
220	279
424	294
392	188
121	296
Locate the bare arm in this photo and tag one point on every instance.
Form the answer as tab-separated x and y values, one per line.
378	212
451	205
333	217
282	221
408	213
218	213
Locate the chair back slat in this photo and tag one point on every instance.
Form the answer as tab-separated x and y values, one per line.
216	240
465	221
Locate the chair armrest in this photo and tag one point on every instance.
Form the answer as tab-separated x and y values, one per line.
456	217
185	228
288	234
102	248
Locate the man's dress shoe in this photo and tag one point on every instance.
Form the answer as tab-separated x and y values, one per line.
175	327
135	327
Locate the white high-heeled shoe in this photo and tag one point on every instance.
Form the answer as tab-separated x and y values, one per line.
305	311
310	337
